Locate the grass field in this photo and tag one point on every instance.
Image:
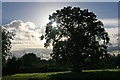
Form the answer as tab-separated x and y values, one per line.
101	74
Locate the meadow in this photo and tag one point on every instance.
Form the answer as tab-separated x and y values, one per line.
100	74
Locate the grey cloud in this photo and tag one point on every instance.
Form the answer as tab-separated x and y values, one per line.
14	24
24	30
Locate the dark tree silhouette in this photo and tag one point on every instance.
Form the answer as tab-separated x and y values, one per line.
12	66
29	59
76	34
6	44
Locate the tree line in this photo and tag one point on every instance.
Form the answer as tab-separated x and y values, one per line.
30	63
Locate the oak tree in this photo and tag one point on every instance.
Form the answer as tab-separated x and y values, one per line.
76	34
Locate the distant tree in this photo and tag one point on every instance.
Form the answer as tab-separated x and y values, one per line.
29	59
76	34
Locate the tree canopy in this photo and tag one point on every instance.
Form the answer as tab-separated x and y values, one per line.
77	34
29	59
6	41
6	38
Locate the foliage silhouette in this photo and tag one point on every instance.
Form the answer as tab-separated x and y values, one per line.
29	59
6	45
12	66
6	41
78	35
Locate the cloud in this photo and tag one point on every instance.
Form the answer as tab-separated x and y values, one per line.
27	34
27	38
24	30
113	34
14	24
110	22
111	26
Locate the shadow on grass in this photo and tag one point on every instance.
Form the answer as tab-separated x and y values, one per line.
38	79
86	76
103	75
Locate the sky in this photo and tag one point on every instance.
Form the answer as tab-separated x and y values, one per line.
38	12
59	0
27	20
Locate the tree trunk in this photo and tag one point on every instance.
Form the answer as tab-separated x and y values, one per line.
76	67
77	58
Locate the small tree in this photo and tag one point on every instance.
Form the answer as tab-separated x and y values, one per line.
6	43
29	59
75	35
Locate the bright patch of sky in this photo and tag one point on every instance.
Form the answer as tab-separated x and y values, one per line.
27	20
38	12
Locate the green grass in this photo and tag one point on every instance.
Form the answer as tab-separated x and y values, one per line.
101	74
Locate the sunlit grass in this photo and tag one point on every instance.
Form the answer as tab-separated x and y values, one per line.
101	73
114	70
